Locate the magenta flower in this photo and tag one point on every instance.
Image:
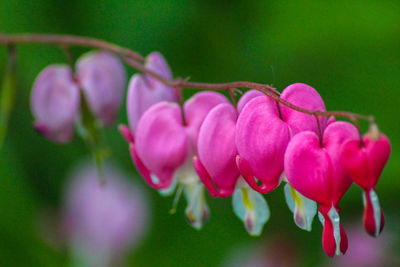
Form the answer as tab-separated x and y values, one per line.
216	165
145	91
313	168
55	103
102	79
364	161
103	222
164	145
264	129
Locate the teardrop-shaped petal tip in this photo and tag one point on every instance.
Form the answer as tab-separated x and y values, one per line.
204	177
251	207
304	209
374	220
334	238
252	181
197	211
150	178
126	133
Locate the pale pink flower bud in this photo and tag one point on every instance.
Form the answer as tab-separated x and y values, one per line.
55	102
157	63
102	79
145	91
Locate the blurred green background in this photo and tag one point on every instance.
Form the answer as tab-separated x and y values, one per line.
348	50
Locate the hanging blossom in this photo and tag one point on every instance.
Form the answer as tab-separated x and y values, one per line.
364	160
163	136
56	96
312	167
55	103
264	129
102	79
145	91
216	165
163	147
102	223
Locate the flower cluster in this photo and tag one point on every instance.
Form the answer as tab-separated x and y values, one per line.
57	94
244	150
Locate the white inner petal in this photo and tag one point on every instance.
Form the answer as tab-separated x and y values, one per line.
303	209
377	210
186	174
169	190
335	219
197	208
251	207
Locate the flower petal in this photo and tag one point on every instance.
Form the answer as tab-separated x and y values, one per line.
261	140
161	141
251	207
196	109
373	215
334	239
303	209
55	103
303	96
197	211
249	95
102	78
308	167
157	63
216	147
365	164
335	135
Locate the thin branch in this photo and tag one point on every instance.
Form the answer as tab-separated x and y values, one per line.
135	60
58	39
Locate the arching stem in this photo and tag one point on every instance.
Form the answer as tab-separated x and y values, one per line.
135	60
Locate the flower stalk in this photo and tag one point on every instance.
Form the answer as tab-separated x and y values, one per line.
7	91
135	60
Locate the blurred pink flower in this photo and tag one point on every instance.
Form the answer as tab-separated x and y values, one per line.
55	103
364	251
278	252
102	78
103	222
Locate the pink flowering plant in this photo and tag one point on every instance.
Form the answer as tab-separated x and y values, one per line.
208	144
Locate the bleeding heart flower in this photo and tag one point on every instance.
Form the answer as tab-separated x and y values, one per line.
264	129
364	161
102	222
313	168
164	145
216	165
102	78
55	103
145	91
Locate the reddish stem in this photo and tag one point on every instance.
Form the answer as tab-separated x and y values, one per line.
135	60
